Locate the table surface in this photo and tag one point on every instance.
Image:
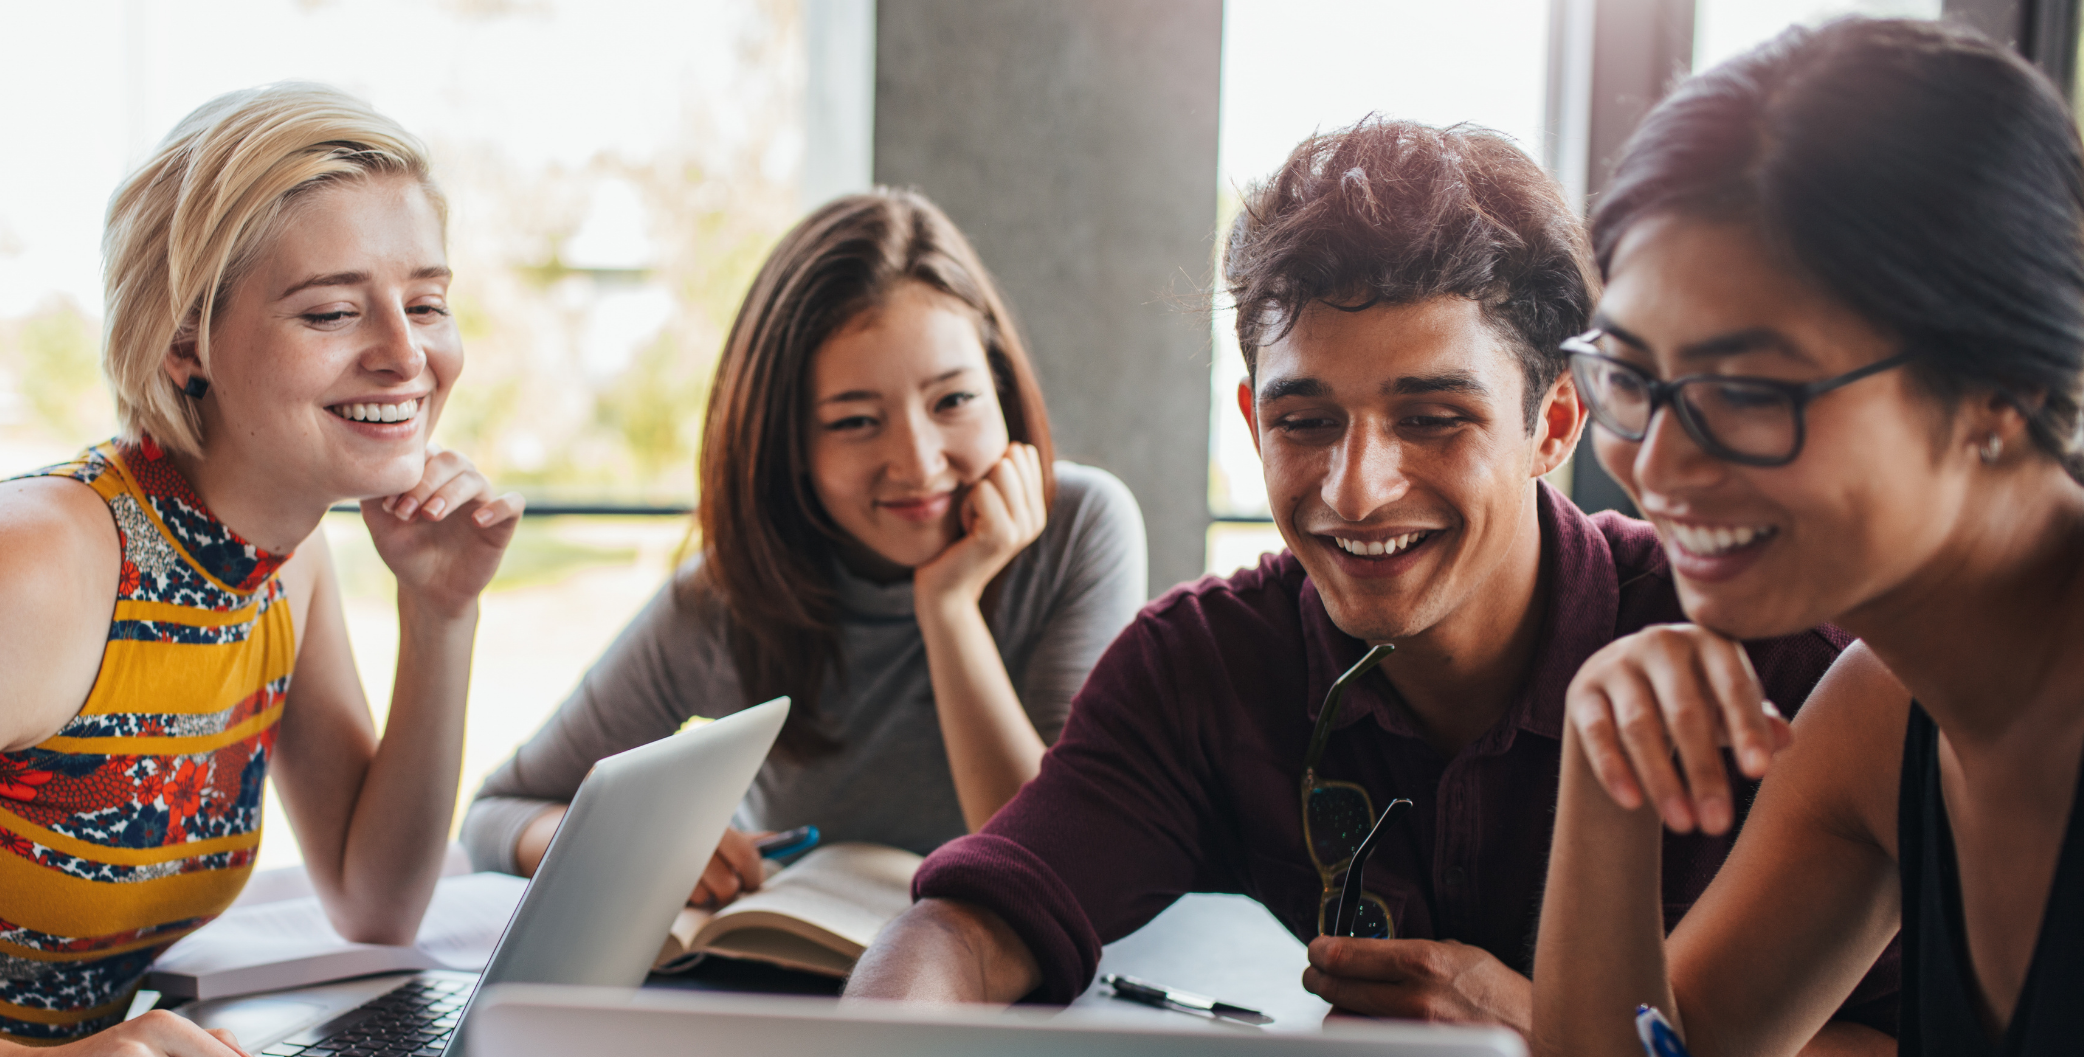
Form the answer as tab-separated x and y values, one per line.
1225	947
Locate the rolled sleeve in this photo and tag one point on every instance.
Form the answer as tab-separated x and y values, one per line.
992	871
493	828
1051	863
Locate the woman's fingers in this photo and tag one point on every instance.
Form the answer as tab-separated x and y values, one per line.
1600	739
161	1032
499	509
719	884
441	467
1743	707
1006	474
1649	748
1693	722
738	853
1674	690
230	1041
1019	477
994	522
454	494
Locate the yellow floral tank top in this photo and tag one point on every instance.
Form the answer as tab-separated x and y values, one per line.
137	823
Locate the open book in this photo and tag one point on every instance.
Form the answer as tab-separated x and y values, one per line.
816	916
289	943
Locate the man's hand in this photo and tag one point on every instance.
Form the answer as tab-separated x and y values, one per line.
1419	980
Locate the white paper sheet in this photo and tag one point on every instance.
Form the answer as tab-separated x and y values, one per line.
290	943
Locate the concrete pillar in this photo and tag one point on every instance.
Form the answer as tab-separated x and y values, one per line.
1074	141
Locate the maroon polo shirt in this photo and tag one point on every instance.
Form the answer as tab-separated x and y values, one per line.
1178	771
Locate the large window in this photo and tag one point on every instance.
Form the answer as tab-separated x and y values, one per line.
1290	70
1723	28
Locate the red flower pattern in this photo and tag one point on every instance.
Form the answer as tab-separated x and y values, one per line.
181	786
18	782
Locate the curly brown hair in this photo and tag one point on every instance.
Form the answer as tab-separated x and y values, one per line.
1395	212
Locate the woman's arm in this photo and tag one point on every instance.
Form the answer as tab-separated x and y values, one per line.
59	558
993	748
372	816
1805	903
670	663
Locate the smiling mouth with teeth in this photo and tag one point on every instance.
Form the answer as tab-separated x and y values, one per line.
1710	541
399	412
1382	548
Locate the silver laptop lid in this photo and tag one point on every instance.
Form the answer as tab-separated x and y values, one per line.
629	851
521	1020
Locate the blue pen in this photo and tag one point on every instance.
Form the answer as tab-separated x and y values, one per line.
787	843
1659	1040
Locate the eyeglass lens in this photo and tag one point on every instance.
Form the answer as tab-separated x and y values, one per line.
1339	818
1752	420
1370	923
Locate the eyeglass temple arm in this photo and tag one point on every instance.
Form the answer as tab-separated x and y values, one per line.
1347	918
1816	389
1329	714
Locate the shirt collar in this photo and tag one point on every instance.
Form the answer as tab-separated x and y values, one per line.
1578	618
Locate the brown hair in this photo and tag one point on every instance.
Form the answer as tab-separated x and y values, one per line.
1395	212
767	543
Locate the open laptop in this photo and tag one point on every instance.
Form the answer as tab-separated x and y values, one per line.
524	1020
630	849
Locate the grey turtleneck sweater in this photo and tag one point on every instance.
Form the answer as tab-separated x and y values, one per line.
1064	598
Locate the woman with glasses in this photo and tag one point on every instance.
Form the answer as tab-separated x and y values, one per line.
1838	365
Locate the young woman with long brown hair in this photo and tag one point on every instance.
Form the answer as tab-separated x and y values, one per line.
885	538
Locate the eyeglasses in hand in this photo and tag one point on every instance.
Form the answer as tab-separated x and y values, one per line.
1340	828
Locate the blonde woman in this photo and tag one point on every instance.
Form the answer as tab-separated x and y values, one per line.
279	340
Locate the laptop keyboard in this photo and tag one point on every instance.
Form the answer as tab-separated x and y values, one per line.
415	1020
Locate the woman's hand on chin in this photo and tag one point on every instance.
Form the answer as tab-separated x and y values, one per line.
443	538
1674	690
1003	513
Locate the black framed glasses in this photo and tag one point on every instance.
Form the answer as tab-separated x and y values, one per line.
1752	421
1340	827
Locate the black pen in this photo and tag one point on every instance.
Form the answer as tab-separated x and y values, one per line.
1151	994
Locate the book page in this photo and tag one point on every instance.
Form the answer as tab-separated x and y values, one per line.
845	893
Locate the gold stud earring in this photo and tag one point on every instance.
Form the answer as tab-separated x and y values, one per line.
1992	448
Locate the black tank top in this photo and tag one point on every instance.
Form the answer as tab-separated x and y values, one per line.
1939	1016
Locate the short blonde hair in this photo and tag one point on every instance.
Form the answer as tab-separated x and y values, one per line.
187	225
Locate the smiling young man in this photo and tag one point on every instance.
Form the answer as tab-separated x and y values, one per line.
1402	294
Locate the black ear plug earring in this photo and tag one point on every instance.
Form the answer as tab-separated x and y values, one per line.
196	386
